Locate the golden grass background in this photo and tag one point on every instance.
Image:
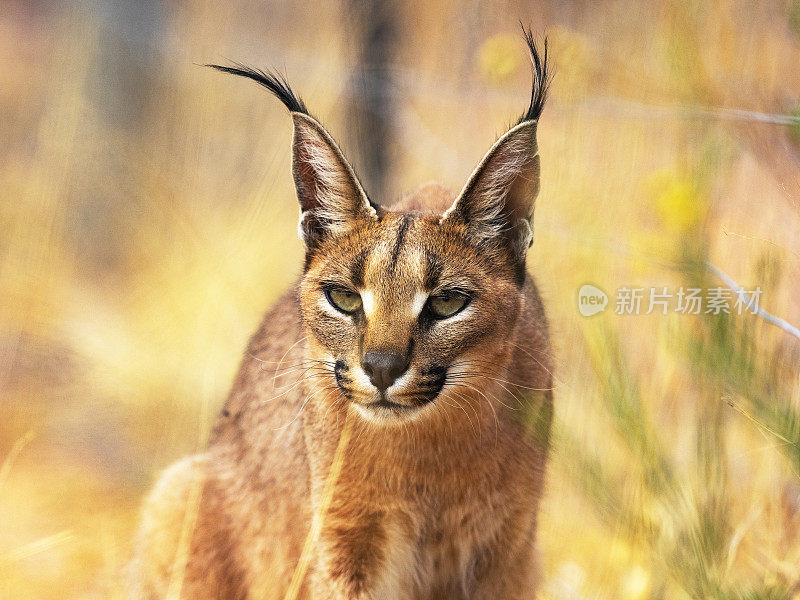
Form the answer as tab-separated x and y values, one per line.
147	219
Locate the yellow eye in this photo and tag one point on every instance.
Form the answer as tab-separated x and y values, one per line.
345	300
448	304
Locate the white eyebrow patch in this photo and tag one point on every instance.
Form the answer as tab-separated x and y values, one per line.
416	306
367	302
418	303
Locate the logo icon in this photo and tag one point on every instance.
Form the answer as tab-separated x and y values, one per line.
591	300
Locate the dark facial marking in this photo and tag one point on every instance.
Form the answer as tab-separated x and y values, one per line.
401	234
432	382
358	267
342	380
433	270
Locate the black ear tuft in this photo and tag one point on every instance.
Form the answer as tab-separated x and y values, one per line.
274	82
541	78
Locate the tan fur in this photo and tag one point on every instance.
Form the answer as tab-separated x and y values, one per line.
423	488
443	506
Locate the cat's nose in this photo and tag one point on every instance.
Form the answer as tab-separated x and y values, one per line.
384	368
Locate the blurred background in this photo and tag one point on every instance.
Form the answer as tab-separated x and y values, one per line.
148	218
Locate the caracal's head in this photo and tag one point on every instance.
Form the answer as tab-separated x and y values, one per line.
407	308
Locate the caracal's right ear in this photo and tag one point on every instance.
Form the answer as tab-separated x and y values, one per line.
331	198
496	205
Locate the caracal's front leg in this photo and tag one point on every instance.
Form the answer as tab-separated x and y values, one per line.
508	569
363	553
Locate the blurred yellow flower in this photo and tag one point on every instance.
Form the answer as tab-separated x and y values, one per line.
498	57
679	203
619	552
634	583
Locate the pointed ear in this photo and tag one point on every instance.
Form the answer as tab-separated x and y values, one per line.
496	205
331	198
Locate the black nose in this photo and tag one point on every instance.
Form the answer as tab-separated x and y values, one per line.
383	368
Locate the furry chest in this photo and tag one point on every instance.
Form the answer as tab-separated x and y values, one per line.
436	556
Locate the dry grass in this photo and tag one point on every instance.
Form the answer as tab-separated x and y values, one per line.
147	219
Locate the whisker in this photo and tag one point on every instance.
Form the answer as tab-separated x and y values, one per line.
299	412
337	403
458	404
309	364
489	402
305	370
285	354
283	393
550	372
494	378
446	414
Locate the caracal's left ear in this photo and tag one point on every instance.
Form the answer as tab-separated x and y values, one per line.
331	198
496	205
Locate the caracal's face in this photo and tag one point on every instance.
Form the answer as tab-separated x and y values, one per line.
404	312
406	308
